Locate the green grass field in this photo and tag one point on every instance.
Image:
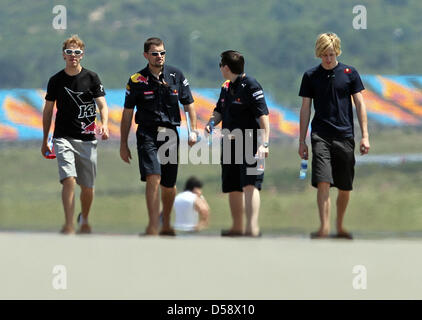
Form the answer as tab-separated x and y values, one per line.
385	198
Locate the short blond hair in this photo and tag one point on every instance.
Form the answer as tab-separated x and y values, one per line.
74	39
327	41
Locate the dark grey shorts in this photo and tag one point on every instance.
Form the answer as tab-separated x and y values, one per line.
235	176
149	155
333	161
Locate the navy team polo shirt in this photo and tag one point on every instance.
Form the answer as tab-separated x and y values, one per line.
331	91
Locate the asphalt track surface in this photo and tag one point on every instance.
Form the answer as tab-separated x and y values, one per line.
207	267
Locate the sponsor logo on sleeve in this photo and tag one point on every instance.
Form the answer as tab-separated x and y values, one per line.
258	94
347	70
185	82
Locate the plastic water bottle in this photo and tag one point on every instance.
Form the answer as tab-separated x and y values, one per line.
303	169
260	164
211	130
52	154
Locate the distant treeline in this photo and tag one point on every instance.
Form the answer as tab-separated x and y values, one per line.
276	37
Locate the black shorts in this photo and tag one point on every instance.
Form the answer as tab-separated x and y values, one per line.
333	161
236	176
149	155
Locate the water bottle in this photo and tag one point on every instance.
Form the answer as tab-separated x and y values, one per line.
211	130
260	164
52	154
303	169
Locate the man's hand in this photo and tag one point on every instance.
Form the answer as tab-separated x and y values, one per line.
207	130
262	152
193	138
45	149
103	132
125	153
303	150
364	146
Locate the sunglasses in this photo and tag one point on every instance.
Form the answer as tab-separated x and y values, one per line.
156	54
71	51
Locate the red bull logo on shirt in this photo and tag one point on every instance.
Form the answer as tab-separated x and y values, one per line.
88	129
137	77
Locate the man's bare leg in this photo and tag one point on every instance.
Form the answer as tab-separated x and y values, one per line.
68	199
87	197
252	204
236	202
342	202
324	205
167	198
153	203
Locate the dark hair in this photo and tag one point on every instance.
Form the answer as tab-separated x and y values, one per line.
152	41
192	183
234	60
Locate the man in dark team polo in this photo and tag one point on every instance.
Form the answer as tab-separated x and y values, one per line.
242	109
156	91
331	85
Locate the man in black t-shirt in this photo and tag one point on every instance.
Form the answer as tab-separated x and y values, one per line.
332	85
76	91
244	114
156	91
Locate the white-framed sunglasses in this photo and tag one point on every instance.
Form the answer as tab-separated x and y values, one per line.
69	52
156	53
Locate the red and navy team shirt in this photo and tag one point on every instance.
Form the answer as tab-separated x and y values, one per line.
241	104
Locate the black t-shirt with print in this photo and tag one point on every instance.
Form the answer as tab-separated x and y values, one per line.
76	109
331	91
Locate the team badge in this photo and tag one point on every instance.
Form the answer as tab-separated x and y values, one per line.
347	70
137	77
237	101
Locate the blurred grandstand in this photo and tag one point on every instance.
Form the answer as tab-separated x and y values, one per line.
390	100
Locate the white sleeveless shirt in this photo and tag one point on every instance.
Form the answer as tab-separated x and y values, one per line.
186	217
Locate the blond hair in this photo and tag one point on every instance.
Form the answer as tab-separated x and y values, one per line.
327	41
74	39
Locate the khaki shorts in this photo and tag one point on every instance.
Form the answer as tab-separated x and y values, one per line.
77	158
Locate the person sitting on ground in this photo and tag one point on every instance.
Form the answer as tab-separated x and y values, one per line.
192	210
